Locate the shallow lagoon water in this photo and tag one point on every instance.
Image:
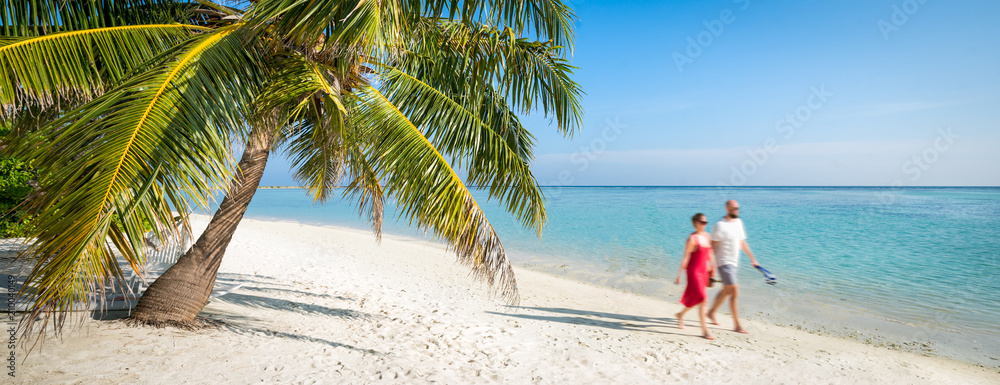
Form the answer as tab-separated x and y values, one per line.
913	268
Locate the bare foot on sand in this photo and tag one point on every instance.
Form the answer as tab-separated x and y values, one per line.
741	330
709	337
680	320
711	319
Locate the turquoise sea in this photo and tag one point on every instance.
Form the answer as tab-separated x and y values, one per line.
912	268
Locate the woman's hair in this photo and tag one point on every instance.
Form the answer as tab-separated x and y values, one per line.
696	216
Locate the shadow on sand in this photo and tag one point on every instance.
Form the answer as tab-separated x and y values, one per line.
264	283
258	302
246	329
229	318
593	318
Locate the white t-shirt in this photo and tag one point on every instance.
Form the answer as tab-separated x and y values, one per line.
729	234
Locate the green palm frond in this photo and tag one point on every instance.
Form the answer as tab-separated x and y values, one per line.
383	26
429	192
550	20
457	130
132	156
77	65
364	186
294	78
334	25
44	17
530	75
538	78
494	111
317	152
310	96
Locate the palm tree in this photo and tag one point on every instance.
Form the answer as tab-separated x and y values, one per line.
129	111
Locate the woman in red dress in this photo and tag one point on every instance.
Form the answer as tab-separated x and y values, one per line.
699	261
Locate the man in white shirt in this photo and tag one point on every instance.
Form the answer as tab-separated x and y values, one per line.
728	238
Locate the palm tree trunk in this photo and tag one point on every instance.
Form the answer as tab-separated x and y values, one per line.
183	290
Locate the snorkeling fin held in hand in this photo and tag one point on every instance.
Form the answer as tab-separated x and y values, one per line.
769	277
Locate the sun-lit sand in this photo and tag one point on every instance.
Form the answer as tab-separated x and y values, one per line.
328	305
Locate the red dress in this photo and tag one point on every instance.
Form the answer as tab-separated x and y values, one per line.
697	275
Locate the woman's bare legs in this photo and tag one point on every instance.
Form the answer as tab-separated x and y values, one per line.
704	325
701	318
680	317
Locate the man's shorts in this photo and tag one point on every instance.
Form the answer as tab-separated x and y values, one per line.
727	273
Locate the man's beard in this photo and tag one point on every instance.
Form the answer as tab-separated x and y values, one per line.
734	216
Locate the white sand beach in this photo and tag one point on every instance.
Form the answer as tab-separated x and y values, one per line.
328	305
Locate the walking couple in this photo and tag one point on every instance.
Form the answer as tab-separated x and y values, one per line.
700	255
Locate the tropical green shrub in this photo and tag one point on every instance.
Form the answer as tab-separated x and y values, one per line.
14	187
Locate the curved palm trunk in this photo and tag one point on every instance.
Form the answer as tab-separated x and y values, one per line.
183	290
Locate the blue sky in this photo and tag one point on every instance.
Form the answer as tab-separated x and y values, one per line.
748	92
